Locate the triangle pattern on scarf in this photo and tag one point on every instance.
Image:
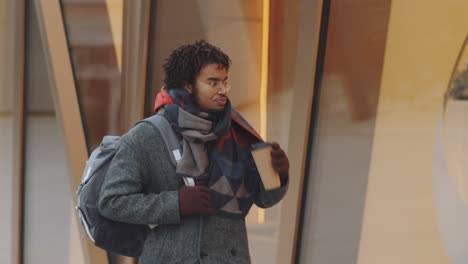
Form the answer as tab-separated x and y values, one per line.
242	192
222	186
232	207
219	200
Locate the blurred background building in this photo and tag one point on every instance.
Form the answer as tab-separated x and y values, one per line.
368	98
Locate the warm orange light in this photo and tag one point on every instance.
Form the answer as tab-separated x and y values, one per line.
115	13
264	73
264	83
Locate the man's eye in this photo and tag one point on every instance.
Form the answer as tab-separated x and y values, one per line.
213	84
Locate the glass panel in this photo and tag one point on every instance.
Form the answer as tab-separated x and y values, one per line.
416	209
94	30
48	208
346	117
10	43
236	26
95	38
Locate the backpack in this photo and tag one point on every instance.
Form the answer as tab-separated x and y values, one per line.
117	237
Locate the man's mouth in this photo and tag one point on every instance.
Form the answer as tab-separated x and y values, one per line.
221	100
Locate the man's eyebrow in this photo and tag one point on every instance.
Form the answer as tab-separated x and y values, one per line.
216	79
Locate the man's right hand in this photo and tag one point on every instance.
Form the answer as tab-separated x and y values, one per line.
195	200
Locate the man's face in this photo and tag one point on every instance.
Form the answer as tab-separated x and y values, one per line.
209	92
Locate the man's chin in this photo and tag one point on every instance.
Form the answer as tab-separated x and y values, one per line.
218	109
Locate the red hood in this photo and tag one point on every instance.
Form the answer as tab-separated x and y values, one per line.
163	98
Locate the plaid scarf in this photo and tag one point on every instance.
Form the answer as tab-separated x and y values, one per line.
216	149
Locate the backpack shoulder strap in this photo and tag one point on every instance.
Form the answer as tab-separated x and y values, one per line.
172	140
170	137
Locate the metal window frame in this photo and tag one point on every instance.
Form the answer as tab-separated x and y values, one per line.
19	128
319	67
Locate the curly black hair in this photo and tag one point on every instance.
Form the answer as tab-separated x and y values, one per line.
184	64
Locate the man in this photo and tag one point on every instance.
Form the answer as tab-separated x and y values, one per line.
204	223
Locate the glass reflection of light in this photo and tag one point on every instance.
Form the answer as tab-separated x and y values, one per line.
455	123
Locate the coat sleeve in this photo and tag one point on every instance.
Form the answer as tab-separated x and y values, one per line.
268	198
122	196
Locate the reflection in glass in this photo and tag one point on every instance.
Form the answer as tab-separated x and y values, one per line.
344	137
46	181
10	126
94	30
455	123
95	36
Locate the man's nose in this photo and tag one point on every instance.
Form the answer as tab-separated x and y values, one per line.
222	90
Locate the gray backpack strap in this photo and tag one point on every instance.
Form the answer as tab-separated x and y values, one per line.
169	135
171	139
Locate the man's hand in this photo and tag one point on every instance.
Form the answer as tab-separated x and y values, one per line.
195	200
280	162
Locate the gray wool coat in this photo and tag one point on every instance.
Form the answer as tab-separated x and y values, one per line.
141	188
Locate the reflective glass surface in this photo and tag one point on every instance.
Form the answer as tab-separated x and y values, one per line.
10	43
50	228
235	26
381	190
94	32
95	39
345	123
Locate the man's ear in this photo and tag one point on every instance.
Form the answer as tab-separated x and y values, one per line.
188	87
